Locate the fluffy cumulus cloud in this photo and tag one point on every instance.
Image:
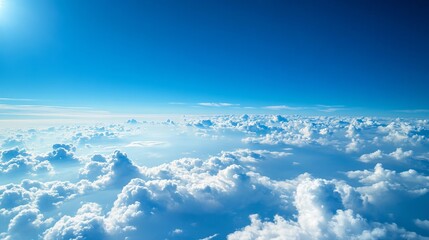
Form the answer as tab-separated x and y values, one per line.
10	142
381	183
23	206
119	170
371	156
19	162
422	223
325	209
323	213
42	195
26	225
399	154
220	177
61	153
343	225
102	135
192	187
88	223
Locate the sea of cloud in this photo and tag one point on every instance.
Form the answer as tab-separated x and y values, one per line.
217	177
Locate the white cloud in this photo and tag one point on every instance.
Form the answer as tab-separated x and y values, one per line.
132	121
371	156
282	107
399	154
94	169
353	146
88	223
13	197
221	104
61	153
26	225
118	169
23	206
18	162
139	144
203	123
95	137
332	109
343	225
210	237
320	216
422	223
17	99
381	182
189	186
177	231
401	132
183	198
12	142
19	110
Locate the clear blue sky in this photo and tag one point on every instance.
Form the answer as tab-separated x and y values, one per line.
130	53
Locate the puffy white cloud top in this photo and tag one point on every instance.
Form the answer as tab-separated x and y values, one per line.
227	177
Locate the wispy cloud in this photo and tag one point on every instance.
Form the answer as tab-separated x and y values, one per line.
214	104
283	107
330	108
319	108
142	144
17	99
12	110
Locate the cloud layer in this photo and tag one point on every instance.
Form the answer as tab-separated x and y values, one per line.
258	177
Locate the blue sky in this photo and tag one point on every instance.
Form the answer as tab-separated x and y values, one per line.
141	55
